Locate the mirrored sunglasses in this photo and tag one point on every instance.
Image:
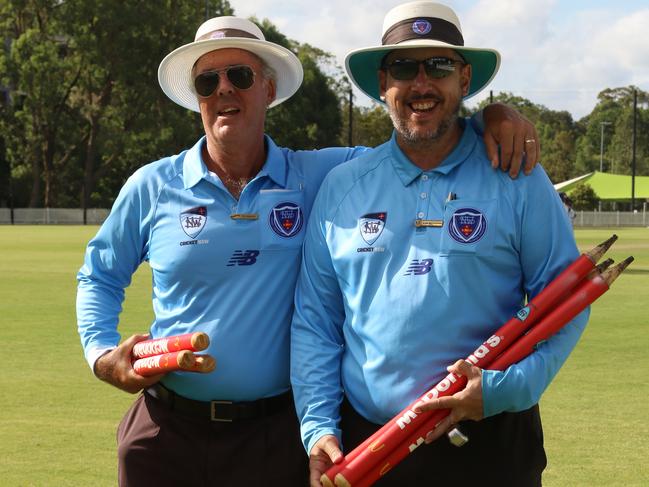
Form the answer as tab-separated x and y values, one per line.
435	67
241	77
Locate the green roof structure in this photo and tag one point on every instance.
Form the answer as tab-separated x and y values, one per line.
609	187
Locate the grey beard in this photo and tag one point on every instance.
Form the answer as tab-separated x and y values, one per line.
414	139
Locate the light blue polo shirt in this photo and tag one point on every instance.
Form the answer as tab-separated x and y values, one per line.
398	281
219	265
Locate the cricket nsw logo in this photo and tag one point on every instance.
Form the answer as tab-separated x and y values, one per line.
286	219
467	225
371	226
421	27
193	220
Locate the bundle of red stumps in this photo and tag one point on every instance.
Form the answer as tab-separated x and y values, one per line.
565	297
168	354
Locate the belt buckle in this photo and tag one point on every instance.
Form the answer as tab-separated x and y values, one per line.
213	412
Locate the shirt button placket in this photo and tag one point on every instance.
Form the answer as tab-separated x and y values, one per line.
422	204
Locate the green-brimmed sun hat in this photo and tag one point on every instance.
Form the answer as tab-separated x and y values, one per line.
415	25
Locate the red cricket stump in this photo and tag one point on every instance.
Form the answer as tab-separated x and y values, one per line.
166	362
377	446
194	342
565	311
586	293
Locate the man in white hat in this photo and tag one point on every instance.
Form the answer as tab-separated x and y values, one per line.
221	226
415	253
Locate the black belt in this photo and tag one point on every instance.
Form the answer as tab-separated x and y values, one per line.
223	411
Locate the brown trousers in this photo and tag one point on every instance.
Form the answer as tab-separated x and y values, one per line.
505	450
159	447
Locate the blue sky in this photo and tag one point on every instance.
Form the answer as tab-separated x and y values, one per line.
558	53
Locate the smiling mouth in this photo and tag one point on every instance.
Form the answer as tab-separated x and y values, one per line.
422	106
228	111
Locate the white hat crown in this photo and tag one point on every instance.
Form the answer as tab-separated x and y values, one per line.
419	9
227	32
217	25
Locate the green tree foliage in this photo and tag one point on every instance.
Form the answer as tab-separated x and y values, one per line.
371	126
6	196
610	126
81	108
557	132
37	127
584	197
620	149
311	118
86	108
570	148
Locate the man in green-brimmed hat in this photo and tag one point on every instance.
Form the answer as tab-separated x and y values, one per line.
414	255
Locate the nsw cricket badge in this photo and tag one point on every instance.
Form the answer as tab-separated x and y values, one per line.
371	226
193	220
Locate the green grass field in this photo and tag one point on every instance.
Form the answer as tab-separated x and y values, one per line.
57	422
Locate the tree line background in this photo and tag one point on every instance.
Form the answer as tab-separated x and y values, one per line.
81	107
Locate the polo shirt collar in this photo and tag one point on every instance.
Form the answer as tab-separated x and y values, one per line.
408	172
275	166
194	169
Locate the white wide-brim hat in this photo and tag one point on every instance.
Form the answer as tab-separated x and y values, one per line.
415	25
175	71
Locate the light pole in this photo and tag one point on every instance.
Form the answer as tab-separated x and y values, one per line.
601	145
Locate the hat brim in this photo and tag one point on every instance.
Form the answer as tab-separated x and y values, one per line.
175	78
362	65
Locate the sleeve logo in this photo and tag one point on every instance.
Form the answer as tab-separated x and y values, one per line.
193	220
467	225
286	219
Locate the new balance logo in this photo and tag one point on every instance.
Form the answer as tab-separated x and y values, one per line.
419	267
243	257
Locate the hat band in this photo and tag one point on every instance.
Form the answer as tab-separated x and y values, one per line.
423	28
222	33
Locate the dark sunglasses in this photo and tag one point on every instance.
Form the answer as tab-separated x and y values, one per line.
435	67
241	77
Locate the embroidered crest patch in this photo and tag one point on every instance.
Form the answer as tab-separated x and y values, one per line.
371	226
193	220
421	27
286	219
467	225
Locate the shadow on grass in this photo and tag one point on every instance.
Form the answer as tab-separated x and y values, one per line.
631	270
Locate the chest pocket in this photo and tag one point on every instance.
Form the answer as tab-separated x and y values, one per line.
469	227
283	219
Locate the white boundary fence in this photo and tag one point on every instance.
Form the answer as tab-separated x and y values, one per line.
95	216
53	216
612	219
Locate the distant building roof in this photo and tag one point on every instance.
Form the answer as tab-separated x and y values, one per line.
613	187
